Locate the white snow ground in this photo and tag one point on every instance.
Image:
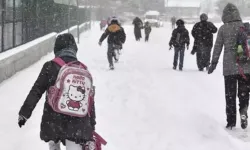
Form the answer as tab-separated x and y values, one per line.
142	105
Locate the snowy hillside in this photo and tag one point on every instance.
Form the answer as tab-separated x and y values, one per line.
142	105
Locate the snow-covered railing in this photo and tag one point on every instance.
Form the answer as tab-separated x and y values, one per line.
25	55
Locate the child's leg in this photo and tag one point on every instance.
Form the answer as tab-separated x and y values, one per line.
146	37
72	145
182	53
54	146
176	56
199	60
110	55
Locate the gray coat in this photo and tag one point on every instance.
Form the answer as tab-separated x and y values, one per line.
227	37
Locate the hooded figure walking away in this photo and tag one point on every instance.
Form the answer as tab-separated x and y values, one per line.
138	25
148	30
179	39
57	126
234	81
203	41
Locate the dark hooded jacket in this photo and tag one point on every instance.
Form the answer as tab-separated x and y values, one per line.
180	35
115	33
147	28
138	24
203	32
227	38
55	126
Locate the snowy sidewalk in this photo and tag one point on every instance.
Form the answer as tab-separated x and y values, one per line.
142	105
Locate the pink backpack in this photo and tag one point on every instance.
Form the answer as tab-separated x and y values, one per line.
73	91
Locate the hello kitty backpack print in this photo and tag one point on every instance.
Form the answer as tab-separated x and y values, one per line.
73	91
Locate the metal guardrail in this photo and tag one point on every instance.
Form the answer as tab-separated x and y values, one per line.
22	21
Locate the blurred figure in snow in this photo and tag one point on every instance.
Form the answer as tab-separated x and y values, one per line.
103	24
203	41
116	38
138	25
173	21
179	39
148	30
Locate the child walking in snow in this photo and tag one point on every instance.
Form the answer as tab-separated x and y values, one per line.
116	38
148	30
69	110
179	39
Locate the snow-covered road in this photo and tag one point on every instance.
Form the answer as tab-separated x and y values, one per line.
142	105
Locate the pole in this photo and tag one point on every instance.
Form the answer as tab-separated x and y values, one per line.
3	23
90	13
68	16
90	9
78	21
14	23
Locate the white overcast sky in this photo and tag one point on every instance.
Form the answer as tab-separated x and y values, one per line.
187	0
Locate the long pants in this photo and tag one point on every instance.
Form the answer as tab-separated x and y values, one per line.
179	53
203	56
231	83
137	38
110	54
146	37
69	146
137	32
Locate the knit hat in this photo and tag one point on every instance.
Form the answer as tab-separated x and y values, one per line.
65	41
179	22
203	17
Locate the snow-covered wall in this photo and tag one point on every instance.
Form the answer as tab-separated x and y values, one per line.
25	55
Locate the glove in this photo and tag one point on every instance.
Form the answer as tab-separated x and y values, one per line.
170	47
100	43
211	68
90	145
21	120
187	47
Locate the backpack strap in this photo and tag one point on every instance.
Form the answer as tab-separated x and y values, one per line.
81	64
99	138
91	100
59	61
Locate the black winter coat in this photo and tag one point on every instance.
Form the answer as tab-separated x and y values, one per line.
138	24
203	33
180	37
115	34
148	29
55	126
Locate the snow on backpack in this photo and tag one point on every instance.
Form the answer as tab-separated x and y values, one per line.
73	91
242	48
